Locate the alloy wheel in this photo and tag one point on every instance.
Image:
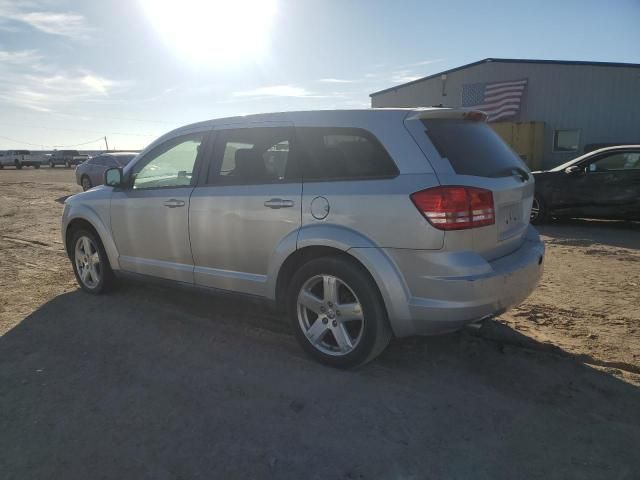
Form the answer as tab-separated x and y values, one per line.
330	315
87	262
535	209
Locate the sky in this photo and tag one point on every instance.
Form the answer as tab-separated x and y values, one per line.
74	71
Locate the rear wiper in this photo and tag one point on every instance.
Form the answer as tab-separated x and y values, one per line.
514	171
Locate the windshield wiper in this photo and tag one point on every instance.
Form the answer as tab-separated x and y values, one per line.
513	171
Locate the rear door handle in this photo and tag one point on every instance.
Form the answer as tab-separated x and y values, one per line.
278	203
173	203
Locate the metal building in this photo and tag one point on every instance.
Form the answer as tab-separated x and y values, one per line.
549	111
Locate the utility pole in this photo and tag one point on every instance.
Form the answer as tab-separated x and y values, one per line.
105	143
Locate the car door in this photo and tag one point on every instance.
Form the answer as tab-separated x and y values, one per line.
103	163
604	186
612	185
246	208
150	218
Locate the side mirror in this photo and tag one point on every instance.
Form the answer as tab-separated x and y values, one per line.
113	177
572	170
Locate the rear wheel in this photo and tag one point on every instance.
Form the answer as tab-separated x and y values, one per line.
86	183
538	211
337	313
90	262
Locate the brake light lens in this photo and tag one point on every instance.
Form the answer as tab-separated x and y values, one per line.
455	208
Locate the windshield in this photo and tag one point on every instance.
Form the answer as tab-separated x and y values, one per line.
473	148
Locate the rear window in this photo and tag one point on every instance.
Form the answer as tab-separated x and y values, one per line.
342	154
123	160
473	148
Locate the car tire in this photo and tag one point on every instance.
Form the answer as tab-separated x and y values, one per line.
318	290
539	213
85	182
90	262
17	164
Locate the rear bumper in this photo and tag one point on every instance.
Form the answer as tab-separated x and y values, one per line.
451	290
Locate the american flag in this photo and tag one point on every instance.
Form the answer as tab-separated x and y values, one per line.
498	99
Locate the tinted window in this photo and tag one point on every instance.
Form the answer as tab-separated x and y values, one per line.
253	155
122	160
472	148
169	165
342	153
616	161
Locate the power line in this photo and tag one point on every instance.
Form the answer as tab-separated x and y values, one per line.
99	139
14	124
22	142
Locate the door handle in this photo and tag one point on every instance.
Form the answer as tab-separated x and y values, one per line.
173	203
278	203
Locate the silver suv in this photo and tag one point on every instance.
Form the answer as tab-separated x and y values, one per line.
360	224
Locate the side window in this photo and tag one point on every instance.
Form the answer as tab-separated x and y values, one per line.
342	153
108	161
169	165
253	156
616	161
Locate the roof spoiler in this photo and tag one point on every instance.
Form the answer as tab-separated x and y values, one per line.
448	113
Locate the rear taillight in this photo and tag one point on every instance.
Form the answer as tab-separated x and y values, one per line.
455	208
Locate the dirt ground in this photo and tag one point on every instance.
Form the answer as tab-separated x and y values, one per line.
164	383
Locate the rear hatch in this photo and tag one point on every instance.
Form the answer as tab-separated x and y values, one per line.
465	151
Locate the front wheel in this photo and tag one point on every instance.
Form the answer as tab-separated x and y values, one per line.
86	183
538	210
337	313
90	262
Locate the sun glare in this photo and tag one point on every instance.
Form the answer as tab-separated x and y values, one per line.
213	32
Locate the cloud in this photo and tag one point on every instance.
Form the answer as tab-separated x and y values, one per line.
403	76
337	80
424	62
67	24
28	83
22	57
277	91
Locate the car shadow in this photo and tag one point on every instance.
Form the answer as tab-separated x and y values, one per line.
585	233
149	382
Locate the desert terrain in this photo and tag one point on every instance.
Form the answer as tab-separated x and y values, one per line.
166	383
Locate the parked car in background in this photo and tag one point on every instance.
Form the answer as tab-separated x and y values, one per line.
18	159
68	158
91	173
360	224
603	184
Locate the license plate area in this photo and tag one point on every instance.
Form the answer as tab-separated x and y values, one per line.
510	220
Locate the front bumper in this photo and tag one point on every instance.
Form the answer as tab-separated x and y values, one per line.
465	287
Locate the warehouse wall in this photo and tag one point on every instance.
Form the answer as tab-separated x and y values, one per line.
602	101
